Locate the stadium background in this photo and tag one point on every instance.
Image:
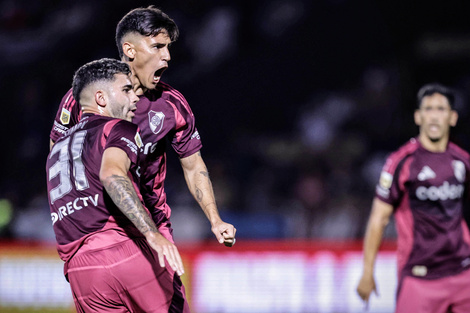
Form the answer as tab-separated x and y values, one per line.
298	102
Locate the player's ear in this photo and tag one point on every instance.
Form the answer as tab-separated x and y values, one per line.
100	98
417	118
454	116
128	49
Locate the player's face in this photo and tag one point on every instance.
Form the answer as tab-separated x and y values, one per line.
435	117
122	98
151	58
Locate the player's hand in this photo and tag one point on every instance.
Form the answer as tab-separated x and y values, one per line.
166	249
365	287
225	233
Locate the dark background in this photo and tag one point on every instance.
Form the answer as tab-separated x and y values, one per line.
297	102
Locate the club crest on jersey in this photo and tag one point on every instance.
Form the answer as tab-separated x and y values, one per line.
65	116
459	170
156	121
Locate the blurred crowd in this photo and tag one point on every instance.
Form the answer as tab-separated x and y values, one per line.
297	102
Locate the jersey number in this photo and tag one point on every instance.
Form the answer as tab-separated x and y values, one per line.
62	166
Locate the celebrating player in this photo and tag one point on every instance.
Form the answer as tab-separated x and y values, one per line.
143	37
109	243
424	184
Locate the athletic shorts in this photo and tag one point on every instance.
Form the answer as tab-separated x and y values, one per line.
165	229
447	294
125	277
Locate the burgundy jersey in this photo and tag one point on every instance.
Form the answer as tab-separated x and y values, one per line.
80	207
428	191
163	116
67	116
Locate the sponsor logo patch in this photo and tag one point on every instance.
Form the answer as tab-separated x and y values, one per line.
196	135
385	180
444	192
138	140
65	116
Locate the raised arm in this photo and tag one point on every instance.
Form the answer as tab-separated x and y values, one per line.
113	175
379	218
200	186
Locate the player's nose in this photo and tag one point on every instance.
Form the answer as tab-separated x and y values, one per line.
134	98
166	55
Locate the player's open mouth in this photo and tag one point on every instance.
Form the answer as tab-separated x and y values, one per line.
159	73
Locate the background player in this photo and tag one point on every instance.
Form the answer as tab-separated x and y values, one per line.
143	37
104	235
423	184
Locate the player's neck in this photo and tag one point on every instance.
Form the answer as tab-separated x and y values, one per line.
434	146
139	89
97	110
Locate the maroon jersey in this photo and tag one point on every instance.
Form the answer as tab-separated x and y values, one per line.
67	116
163	116
427	190
80	208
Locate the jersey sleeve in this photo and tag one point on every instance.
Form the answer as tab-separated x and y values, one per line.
68	115
125	136
186	139
388	188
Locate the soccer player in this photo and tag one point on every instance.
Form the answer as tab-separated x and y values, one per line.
143	37
424	184
109	243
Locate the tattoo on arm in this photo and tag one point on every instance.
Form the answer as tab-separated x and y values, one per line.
123	194
199	194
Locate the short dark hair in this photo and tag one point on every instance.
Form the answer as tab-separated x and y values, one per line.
148	21
430	89
98	70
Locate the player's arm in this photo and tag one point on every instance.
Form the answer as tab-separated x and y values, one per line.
113	175
200	186
378	220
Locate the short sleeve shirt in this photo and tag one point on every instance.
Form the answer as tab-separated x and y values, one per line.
428	191
164	117
78	202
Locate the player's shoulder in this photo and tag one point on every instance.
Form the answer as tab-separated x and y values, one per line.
403	152
408	148
457	151
108	123
165	87
170	94
120	124
68	101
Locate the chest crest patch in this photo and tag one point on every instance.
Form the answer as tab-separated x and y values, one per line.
156	120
